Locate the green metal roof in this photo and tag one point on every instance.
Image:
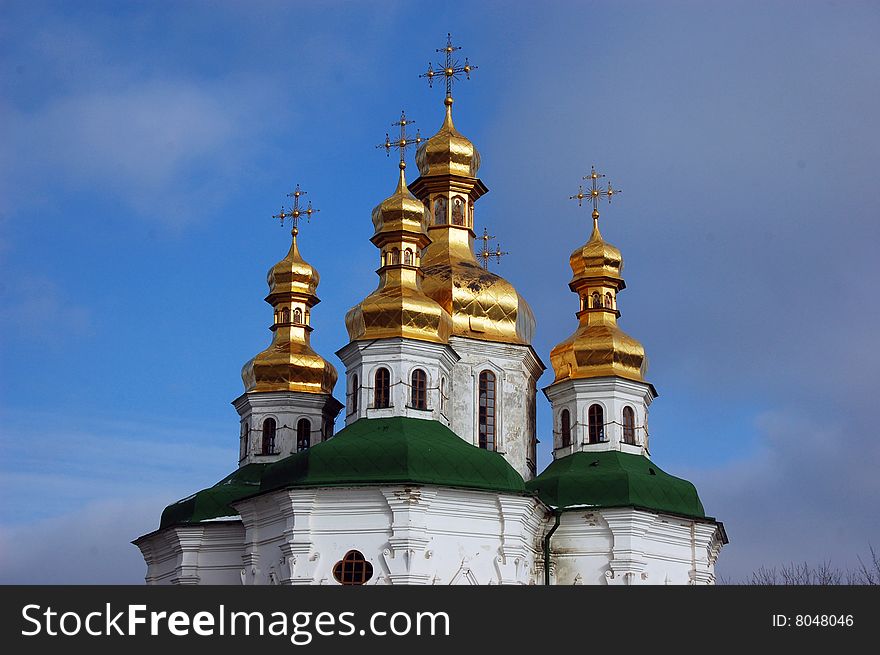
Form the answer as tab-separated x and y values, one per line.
369	451
394	450
214	502
614	479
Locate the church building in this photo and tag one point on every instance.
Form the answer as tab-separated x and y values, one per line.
434	477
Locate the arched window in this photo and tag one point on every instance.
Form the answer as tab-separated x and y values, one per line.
442	394
297	316
419	389
471	216
597	299
608	300
303	435
458	210
486	410
395	256
355	392
353	569
440	211
596	420
565	428
382	389
285	315
308	317
629	425
408	257
268	445
245	437
585	302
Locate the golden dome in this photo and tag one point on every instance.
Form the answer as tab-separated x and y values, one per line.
290	363
399	307
448	152
401	212
596	258
598	348
483	305
292	274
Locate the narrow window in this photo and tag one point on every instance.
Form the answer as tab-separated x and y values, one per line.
419	389
298	316
353	569
458	211
471	216
597	299
303	435
486	411
440	211
608	302
395	256
597	424
285	315
629	425
308	317
268	437
408	257
355	392
382	389
442	394
565	427
245	436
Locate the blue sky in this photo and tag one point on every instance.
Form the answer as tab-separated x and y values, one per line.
144	147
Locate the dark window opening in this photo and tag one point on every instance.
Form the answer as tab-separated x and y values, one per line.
597	424
419	389
353	569
486	411
269	428
629	425
382	389
565	428
303	435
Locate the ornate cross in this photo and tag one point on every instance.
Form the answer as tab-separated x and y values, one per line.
295	213
486	254
450	69
403	141
594	193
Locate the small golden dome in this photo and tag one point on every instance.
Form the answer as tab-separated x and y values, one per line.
290	363
292	274
448	152
399	307
599	349
401	212
596	258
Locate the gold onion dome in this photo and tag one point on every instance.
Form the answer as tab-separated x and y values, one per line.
482	305
448	152
398	307
598	348
290	363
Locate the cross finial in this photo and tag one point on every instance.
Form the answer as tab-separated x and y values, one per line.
404	140
450	68
594	193
485	253
295	213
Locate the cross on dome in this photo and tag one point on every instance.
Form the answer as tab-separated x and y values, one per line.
485	254
403	141
450	69
295	213
594	193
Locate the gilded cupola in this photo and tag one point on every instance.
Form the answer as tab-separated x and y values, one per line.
290	363
598	348
399	307
448	152
482	304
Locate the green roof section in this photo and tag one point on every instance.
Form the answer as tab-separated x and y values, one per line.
392	451
614	479
215	502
